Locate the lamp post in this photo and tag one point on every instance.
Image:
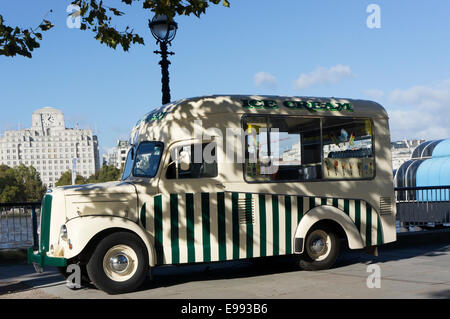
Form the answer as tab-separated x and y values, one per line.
163	31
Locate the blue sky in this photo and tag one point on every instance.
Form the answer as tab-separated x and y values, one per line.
289	47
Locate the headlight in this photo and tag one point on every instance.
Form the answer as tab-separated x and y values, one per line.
63	232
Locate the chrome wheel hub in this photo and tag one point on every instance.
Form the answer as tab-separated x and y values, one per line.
120	263
318	245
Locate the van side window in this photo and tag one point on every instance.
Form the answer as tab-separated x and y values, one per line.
282	148
202	161
348	148
295	148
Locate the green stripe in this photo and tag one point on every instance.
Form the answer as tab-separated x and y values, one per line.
143	215
299	208
323	201
379	231
249	224
206	227
235	223
368	225
174	233
347	206
262	225
158	229
275	224
45	222
312	202
336	202
190	226
287	205
358	214
221	226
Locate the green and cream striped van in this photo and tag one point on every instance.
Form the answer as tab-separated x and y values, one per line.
230	177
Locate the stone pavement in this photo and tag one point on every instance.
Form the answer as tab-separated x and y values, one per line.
416	266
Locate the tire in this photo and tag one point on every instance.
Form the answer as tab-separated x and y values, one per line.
119	263
321	249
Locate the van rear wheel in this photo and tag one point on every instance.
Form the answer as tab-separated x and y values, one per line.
321	250
119	263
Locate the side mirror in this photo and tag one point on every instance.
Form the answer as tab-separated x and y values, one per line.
184	161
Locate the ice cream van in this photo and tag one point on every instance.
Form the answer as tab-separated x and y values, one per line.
229	177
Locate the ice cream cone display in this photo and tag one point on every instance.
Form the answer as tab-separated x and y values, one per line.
348	168
336	166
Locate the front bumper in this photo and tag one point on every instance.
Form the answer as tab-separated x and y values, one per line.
41	258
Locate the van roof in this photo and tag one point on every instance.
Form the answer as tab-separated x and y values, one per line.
205	106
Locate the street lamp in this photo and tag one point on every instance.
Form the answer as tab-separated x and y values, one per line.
163	31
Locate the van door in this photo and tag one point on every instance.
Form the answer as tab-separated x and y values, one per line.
189	184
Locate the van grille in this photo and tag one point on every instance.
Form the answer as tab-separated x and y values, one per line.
385	205
246	209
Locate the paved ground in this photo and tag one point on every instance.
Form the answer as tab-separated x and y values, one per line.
416	266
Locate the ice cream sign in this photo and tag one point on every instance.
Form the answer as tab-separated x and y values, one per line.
311	106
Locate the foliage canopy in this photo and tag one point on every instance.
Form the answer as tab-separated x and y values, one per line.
98	18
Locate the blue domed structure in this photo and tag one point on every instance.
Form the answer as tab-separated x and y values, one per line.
429	166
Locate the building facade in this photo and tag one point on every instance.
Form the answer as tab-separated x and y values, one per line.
402	151
117	155
122	151
50	147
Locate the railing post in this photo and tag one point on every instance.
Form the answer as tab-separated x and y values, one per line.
34	225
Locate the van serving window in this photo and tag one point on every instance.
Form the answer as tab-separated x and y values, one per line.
348	148
293	148
204	166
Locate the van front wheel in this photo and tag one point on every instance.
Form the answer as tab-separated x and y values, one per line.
119	263
321	250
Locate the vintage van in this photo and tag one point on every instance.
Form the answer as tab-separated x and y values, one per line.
218	178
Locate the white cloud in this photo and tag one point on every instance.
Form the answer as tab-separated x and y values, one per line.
422	111
434	95
264	79
323	75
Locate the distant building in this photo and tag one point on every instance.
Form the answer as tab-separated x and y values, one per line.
292	156
402	151
117	155
122	150
50	147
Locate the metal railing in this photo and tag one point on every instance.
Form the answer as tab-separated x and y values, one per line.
423	205
19	224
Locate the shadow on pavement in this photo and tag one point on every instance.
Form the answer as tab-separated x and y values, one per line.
445	294
22	277
407	246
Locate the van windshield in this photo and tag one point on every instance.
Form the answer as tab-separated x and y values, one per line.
144	161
